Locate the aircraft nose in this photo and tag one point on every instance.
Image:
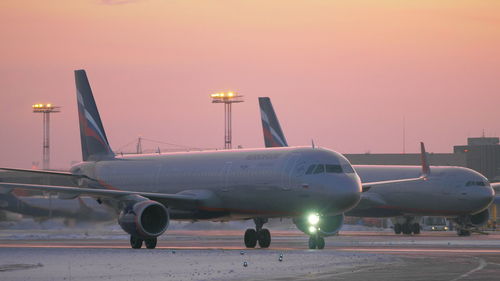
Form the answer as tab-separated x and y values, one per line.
348	194
487	195
483	197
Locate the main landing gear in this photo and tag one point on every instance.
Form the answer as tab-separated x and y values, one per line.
407	228
463	232
259	234
316	242
136	242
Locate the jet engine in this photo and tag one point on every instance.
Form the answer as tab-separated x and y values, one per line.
144	219
324	226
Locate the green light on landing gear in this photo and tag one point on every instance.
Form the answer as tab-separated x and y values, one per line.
313	219
312	230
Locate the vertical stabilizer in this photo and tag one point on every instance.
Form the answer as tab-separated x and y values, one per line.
426	169
273	135
95	144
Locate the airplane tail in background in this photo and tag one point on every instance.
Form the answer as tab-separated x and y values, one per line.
95	145
273	135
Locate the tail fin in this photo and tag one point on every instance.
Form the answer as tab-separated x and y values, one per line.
426	169
95	145
273	136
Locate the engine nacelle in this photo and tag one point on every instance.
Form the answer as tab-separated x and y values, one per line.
325	226
480	218
145	219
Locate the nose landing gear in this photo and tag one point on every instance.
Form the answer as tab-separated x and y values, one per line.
316	242
259	234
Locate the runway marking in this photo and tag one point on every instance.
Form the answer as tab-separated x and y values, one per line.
419	250
482	264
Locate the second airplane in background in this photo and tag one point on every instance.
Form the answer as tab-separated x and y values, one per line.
460	194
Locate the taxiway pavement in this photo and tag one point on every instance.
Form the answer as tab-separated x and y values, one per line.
220	255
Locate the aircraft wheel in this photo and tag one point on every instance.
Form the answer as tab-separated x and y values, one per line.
264	238
320	242
312	242
397	228
151	243
250	238
416	228
135	242
463	232
406	229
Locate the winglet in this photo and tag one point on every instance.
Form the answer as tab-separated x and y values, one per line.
426	170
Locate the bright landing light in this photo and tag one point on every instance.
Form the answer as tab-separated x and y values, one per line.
313	219
312	229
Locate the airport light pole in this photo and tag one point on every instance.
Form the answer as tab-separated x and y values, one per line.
227	99
46	109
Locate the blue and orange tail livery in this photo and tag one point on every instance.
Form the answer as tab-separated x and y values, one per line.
273	135
95	145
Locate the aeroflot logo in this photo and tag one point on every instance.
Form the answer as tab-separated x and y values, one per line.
263	156
276	137
90	120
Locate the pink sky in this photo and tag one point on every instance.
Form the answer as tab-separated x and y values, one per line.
341	72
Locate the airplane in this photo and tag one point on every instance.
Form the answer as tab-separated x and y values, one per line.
223	185
458	193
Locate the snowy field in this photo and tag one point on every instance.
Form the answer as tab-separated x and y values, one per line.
129	264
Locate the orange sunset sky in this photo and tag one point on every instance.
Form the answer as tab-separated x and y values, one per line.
344	73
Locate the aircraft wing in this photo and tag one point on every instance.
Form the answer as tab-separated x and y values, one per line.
185	200
39	177
57	173
495	185
367	185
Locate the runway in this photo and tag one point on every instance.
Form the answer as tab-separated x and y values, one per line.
220	255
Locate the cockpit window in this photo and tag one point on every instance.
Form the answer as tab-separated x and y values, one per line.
333	168
310	169
475	183
320	168
347	169
329	168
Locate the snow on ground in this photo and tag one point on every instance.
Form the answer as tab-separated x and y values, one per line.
128	264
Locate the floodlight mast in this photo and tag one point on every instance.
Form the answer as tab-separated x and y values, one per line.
46	109
227	98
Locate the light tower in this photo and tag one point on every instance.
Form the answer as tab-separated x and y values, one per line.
227	99
46	109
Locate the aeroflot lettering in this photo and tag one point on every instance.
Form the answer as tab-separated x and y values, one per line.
263	156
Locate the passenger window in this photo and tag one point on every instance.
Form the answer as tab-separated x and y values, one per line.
310	169
320	168
333	169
